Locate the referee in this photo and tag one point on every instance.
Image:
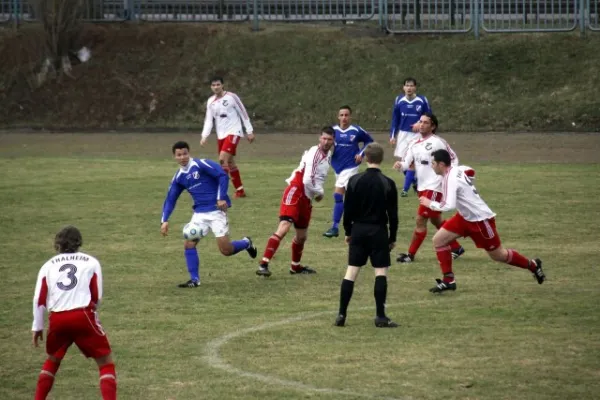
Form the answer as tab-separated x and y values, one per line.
370	204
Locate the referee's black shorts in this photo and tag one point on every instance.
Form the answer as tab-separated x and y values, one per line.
369	242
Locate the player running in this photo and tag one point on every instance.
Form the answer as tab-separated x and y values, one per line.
228	113
345	161
473	219
304	185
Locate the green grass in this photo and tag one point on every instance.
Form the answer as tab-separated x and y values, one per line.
293	77
499	336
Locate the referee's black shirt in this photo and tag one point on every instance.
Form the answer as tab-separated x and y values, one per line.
371	198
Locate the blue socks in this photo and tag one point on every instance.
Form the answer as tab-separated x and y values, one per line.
193	263
240	245
409	178
338	209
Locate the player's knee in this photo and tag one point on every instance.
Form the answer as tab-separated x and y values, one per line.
55	360
190	244
500	255
421	223
300	239
226	249
104	360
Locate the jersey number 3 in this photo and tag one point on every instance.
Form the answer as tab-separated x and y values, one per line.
72	270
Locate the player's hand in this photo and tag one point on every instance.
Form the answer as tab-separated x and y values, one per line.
393	141
415	127
250	137
164	228
392	245
202	142
424	201
318	197
37	336
347	239
222	205
358	158
397	165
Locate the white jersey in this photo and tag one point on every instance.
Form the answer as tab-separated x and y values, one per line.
229	114
66	282
312	172
419	152
459	192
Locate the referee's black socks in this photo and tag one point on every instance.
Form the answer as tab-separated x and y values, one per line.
380	292
345	296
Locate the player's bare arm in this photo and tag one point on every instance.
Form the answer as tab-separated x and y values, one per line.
164	228
358	158
397	165
37	336
222	205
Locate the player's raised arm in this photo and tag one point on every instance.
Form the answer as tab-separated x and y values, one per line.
241	110
208	122
39	301
175	190
449	192
213	169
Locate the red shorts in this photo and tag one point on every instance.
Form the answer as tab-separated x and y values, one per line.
483	233
296	207
426	211
76	326
229	144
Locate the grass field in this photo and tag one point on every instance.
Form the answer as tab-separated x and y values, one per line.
499	336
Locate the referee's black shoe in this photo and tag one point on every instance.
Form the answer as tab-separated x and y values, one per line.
385	322
340	320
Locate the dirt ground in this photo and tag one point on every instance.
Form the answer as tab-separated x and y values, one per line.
471	148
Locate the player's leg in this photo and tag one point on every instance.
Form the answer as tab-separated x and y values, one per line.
58	342
409	179
108	377
455	247
46	378
285	224
338	211
441	243
301	225
192	261
418	236
227	159
218	223
380	260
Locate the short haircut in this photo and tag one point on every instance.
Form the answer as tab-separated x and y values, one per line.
180	145
217	79
433	118
68	240
346	107
410	80
328	130
443	156
374	153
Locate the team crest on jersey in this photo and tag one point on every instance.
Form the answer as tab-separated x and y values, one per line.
418	107
196	175
352	137
225	103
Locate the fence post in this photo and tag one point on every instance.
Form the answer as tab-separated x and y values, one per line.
380	8
582	6
129	10
255	16
16	12
475	17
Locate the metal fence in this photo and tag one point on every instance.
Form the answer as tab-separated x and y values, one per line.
395	16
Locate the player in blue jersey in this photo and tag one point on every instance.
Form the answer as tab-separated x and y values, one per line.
405	128
346	158
207	183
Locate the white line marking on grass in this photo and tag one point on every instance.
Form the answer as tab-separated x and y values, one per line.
213	357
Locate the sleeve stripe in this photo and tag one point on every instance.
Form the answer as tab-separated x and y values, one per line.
240	105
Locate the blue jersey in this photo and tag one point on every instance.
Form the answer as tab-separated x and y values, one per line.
204	180
406	113
346	146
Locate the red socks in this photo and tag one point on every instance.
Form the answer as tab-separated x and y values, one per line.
297	249
444	256
108	382
415	243
517	260
236	179
272	246
46	379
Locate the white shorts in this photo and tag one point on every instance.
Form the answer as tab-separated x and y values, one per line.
402	141
215	221
341	179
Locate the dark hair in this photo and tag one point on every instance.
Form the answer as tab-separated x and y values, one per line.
433	118
410	80
346	107
442	155
328	131
180	145
217	79
68	240
374	153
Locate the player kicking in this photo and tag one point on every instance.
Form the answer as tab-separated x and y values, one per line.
429	183
207	183
305	185
345	161
228	113
405	128
473	219
69	286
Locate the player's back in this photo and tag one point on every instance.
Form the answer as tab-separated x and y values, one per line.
421	150
70	281
411	111
346	147
468	201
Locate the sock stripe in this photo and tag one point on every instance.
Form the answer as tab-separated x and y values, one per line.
44	372
442	249
108	376
509	256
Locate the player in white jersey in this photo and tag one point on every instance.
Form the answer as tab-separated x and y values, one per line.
429	184
473	219
226	111
304	185
69	286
